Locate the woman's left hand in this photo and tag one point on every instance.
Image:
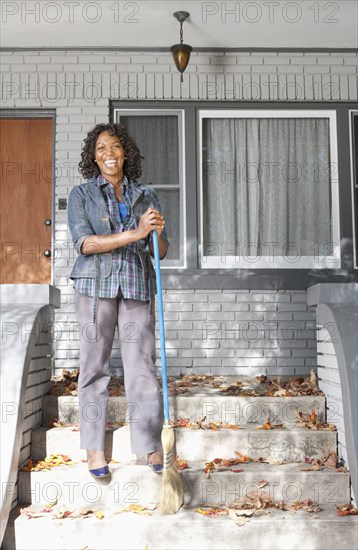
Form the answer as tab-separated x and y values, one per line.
155	219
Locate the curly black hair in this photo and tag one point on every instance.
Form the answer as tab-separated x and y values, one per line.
132	167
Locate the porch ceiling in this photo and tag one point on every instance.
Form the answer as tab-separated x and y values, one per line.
150	24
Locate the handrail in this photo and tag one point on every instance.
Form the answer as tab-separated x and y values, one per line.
338	305
24	314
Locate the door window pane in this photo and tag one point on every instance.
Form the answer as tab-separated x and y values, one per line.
157	135
157	139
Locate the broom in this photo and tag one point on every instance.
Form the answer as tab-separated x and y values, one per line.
171	493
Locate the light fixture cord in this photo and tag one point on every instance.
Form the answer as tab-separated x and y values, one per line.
181	32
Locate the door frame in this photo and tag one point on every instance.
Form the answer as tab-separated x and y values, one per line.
41	113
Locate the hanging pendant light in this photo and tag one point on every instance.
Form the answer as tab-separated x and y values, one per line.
181	52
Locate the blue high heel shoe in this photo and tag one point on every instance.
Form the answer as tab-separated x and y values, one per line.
100	473
156	468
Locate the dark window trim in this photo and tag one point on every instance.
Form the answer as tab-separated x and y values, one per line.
195	278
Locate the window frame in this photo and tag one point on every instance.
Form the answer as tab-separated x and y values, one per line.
279	262
193	277
181	263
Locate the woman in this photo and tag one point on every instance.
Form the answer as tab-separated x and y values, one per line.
111	218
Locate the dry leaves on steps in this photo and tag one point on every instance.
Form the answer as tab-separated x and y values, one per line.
60	512
212	511
275	387
224	463
200	424
256	503
269	426
181	464
239	516
219	464
47	463
138	509
55	423
67	384
327	460
346	510
310	421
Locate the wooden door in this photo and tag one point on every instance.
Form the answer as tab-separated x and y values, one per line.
26	200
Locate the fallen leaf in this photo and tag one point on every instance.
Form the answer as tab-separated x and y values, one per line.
329	460
272	461
269	426
99	515
213	426
62	513
225	463
243	458
212	512
181	464
31	513
136	508
282	392
266	426
201	424
313	468
47	463
346	510
239	519
244	512
85	511
313	378
262	483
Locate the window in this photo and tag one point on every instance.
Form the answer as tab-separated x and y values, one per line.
159	136
243	188
268	189
354	171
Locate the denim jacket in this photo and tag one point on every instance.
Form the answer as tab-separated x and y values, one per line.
88	214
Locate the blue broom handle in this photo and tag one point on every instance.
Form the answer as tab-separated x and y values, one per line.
161	326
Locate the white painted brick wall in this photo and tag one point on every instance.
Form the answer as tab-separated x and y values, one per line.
38	383
330	384
79	85
218	332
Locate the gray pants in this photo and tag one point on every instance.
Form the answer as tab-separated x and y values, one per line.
137	339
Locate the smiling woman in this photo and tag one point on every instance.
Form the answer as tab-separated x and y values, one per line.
111	218
110	157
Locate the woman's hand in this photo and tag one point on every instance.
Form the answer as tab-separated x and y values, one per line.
150	220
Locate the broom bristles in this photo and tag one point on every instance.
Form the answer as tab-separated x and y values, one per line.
172	493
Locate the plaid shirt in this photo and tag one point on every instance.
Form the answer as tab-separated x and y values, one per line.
127	274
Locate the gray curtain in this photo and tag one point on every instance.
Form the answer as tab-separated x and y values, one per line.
267	181
157	139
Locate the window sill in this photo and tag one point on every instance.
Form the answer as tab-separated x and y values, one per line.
255	279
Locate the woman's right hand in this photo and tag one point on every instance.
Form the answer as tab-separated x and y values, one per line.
151	219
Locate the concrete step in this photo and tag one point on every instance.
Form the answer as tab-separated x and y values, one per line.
276	530
133	483
207	402
292	444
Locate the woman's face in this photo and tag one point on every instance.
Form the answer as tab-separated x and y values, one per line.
110	156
